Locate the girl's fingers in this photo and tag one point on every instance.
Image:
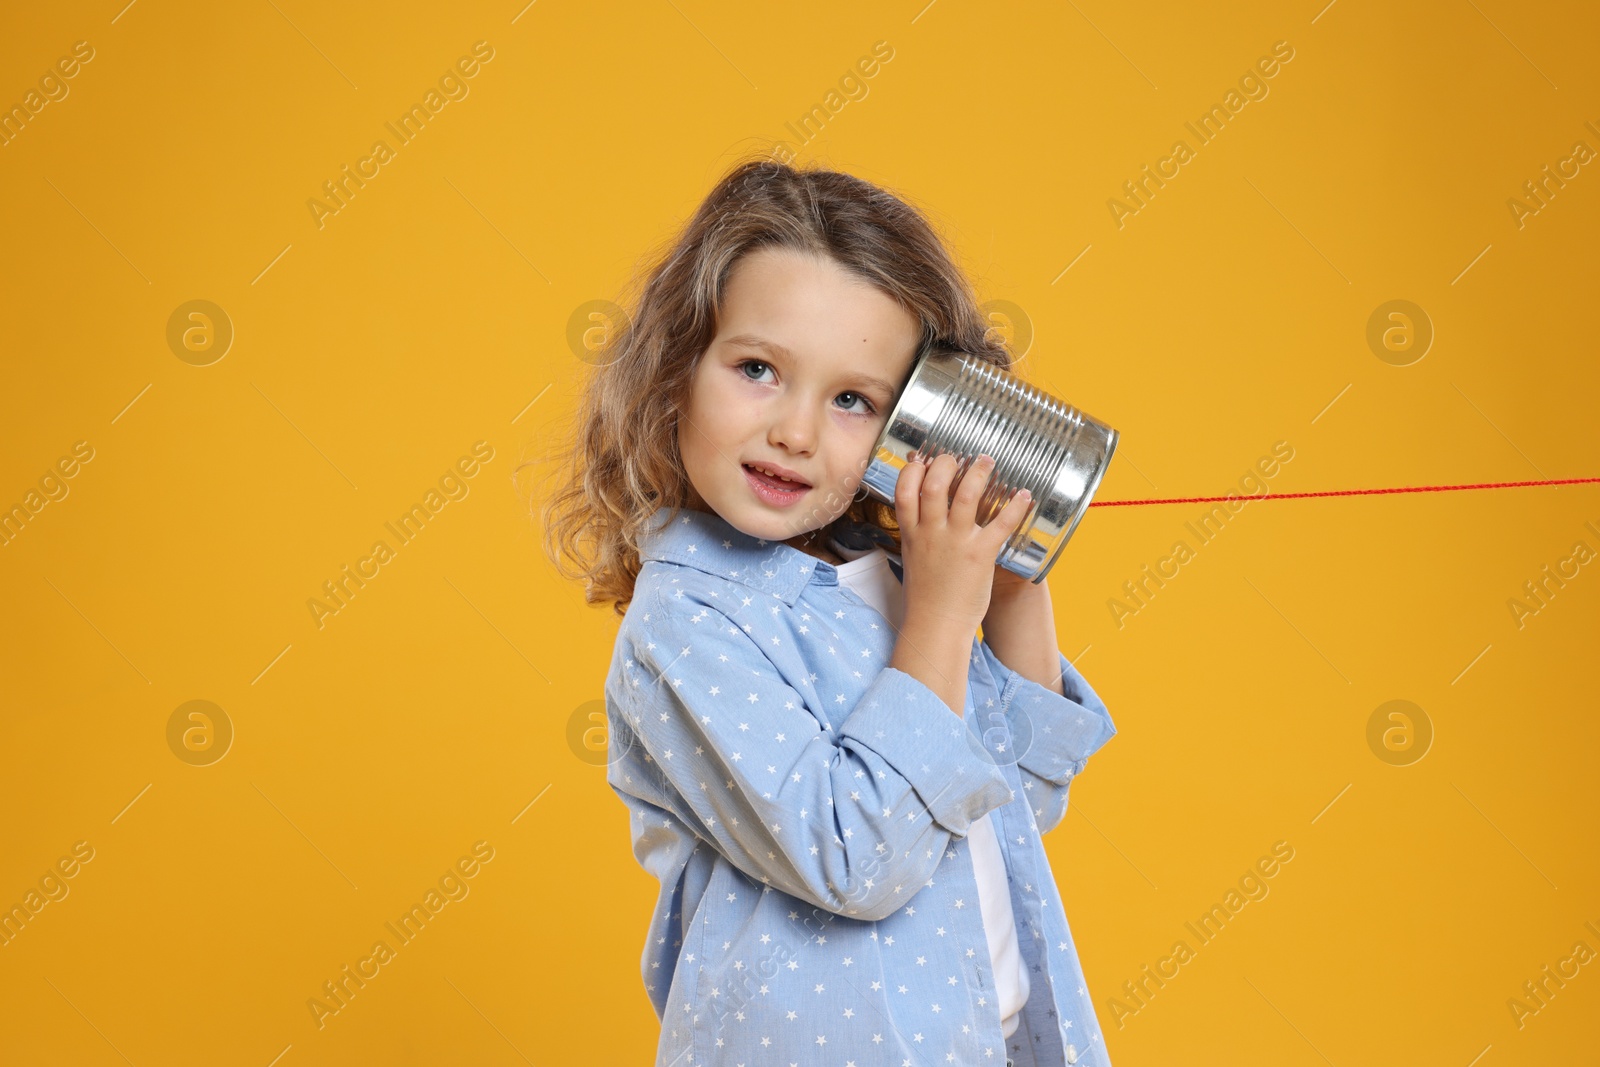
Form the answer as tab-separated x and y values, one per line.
964	511
1010	518
906	490
933	504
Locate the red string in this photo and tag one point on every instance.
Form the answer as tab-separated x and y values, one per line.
1338	492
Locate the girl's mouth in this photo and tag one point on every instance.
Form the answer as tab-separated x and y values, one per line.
774	491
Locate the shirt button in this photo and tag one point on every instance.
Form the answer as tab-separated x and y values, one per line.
1072	1054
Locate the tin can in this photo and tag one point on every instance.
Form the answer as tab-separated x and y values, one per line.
965	406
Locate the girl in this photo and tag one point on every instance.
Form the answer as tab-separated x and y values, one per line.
840	787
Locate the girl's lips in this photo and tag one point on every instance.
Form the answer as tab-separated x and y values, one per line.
772	491
777	473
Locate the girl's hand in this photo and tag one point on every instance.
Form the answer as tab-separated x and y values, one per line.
950	573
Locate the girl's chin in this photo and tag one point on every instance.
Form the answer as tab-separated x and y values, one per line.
764	526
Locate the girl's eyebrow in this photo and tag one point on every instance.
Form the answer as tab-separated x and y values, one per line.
750	341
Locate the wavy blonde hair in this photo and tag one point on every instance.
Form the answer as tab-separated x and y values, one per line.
621	463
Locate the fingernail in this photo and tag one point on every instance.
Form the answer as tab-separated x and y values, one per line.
1024	494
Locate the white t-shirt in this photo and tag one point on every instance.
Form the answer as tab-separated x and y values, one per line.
867	573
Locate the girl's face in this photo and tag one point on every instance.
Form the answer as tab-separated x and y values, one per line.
806	363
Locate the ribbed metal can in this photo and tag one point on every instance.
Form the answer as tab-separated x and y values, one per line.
956	403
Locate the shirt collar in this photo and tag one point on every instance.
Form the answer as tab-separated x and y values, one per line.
708	542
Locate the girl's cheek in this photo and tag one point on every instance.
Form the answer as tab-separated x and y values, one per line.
865	429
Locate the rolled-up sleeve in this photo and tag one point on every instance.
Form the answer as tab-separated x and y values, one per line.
854	820
1056	734
914	731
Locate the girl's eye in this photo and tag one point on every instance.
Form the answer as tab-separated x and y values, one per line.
751	363
871	409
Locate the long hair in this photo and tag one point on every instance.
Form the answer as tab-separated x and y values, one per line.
622	464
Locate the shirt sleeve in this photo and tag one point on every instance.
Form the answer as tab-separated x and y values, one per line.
1055	734
853	819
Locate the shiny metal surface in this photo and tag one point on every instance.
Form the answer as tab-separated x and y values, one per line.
961	405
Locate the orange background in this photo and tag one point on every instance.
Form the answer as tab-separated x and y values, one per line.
431	312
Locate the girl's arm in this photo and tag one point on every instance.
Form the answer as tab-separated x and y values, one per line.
854	819
1055	718
1021	629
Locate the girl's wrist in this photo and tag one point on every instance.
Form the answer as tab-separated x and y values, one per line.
1021	617
1011	589
1020	630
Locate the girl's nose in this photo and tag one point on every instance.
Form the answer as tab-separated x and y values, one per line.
794	429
